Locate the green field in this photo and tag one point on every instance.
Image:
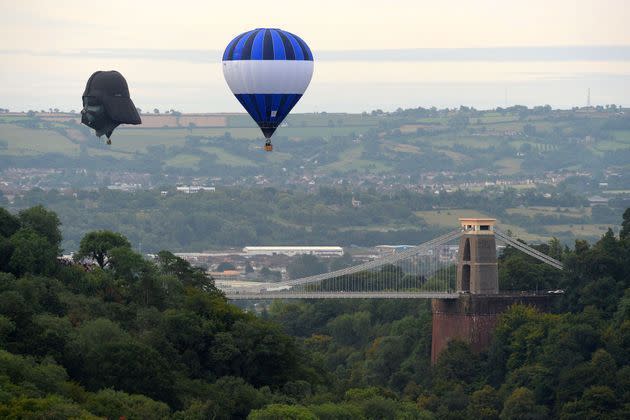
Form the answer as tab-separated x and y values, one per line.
350	160
509	166
183	161
386	147
27	142
495	118
579	230
312	120
622	136
611	146
225	158
562	211
448	218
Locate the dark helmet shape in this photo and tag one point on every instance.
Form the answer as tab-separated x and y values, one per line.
107	104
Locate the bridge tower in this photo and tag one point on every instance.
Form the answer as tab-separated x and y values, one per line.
477	270
473	316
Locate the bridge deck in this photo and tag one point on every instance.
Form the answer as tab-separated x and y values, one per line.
425	271
341	295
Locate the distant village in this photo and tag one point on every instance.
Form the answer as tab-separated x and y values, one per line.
17	181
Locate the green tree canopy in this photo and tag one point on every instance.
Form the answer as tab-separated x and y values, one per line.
282	412
522	406
305	265
171	264
32	253
42	221
625	225
97	244
9	224
117	404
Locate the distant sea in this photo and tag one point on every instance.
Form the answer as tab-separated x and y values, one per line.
344	81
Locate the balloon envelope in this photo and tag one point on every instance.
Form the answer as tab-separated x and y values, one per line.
268	71
107	104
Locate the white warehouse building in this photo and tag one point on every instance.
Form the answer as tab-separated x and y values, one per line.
320	251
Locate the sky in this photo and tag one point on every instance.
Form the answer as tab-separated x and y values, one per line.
369	54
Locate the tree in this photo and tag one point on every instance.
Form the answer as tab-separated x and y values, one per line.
234	398
42	221
270	274
305	265
282	412
625	225
32	253
342	262
522	406
6	327
156	111
97	244
117	404
297	389
50	407
535	377
130	367
529	130
142	281
9	224
169	263
484	404
351	328
330	411
6	250
458	121
458	363
225	266
596	402
127	263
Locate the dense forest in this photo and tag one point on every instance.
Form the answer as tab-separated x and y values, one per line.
155	339
239	217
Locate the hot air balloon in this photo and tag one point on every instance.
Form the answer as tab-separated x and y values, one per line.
107	104
268	71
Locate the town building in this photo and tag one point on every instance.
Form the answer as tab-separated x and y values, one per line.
320	251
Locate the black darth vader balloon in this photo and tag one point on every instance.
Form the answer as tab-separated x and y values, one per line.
107	104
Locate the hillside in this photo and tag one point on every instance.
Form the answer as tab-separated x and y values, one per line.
463	144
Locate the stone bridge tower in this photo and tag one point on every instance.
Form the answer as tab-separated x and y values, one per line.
473	316
477	270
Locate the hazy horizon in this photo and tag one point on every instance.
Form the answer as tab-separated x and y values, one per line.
368	56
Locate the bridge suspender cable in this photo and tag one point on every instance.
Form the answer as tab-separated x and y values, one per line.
390	259
528	250
423	271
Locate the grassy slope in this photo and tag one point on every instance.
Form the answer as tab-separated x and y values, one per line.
27	142
23	141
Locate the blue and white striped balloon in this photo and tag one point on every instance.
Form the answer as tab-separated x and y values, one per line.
268	71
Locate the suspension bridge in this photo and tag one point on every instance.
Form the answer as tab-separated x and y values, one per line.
430	270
